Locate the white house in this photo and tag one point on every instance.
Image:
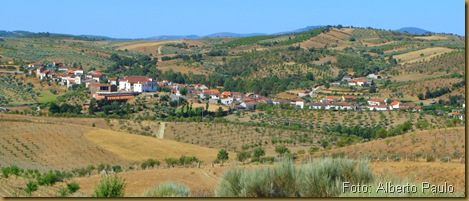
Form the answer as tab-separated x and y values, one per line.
374	76
35	65
73	80
137	84
303	93
77	72
42	73
375	101
378	107
394	105
113	81
298	102
357	82
319	105
227	101
95	75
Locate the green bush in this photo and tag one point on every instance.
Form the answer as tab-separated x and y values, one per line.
48	178
6	172
73	187
318	178
430	159
30	187
110	186
168	189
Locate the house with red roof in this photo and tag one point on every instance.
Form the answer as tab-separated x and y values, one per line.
328	99
375	102
298	102
95	75
36	64
357	82
137	84
396	105
42	73
226	94
114	81
250	105
349	98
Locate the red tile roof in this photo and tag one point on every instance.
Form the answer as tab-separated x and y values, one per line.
395	102
331	97
97	84
376	100
136	79
226	93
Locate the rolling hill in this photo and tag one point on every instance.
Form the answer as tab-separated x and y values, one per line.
414	30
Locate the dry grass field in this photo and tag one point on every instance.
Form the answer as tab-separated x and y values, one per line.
412	150
421	55
417	172
185	69
418	145
197	179
411	90
433	37
139	148
142	45
47	146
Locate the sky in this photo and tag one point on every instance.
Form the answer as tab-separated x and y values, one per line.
146	18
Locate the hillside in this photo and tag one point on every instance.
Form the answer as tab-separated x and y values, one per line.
46	146
392	97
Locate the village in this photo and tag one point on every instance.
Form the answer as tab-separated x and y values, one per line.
127	87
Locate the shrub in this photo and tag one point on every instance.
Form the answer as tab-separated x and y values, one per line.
73	187
168	189
63	192
242	156
6	172
48	178
110	186
30	187
430	159
117	168
281	149
313	149
445	159
321	178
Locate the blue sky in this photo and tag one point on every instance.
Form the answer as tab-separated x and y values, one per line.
145	18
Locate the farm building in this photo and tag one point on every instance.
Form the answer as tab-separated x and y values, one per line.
374	76
137	84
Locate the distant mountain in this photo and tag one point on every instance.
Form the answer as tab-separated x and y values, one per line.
414	30
172	37
96	37
14	34
230	34
301	29
220	34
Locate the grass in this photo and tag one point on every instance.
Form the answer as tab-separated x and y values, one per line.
46	96
138	148
168	189
317	178
419	55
